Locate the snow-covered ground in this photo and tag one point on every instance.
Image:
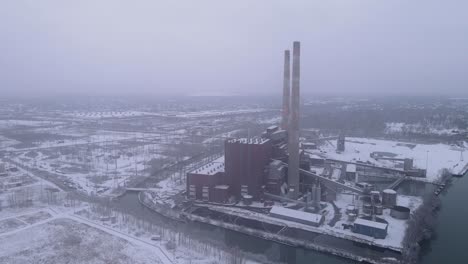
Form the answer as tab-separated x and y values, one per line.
107	114
97	137
95	169
27	123
97	162
273	120
211	113
61	240
398	128
55	233
187	250
434	157
191	114
396	227
7	142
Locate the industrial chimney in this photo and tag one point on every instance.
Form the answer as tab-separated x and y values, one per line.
286	91
293	127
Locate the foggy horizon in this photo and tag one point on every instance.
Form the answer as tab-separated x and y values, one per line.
211	48
233	132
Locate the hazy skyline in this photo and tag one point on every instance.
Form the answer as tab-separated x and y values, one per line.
232	47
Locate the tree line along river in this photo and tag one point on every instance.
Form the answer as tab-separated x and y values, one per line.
448	244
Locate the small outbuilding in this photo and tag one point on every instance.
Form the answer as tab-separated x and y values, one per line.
351	171
297	216
370	228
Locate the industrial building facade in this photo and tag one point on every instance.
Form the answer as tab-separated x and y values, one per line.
240	172
246	163
370	228
247	172
207	183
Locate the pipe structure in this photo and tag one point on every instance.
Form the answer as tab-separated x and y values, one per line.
286	91
293	133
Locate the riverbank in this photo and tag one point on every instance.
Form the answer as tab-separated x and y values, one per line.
285	241
448	243
324	243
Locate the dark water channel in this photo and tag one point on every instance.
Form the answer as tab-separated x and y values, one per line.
447	246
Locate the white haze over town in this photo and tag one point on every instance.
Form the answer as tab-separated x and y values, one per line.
176	132
231	47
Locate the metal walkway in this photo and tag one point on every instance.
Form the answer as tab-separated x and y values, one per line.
368	165
327	181
396	183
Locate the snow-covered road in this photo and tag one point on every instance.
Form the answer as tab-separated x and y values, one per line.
162	253
57	213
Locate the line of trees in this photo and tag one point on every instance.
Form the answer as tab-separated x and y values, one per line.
21	198
176	238
422	223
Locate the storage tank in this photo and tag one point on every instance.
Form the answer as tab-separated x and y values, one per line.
389	198
318	194
247	199
378	209
314	193
367	208
400	212
351	209
375	196
352	217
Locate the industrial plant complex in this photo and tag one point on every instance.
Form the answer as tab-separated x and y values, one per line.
230	132
265	170
284	187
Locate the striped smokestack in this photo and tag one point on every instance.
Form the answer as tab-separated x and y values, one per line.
293	133
286	91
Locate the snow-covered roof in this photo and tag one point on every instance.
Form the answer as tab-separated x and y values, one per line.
351	168
211	168
389	191
373	224
249	140
317	170
336	174
223	187
311	217
276	163
315	156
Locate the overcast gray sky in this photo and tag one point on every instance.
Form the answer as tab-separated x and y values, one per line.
232	47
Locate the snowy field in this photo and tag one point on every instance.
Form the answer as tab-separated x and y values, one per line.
93	169
10	123
67	241
399	128
435	156
98	163
7	142
182	114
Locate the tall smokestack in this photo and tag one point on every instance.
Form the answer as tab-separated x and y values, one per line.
286	91
293	134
